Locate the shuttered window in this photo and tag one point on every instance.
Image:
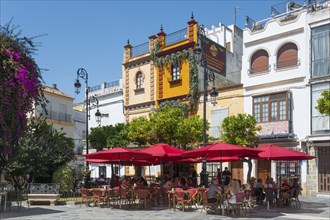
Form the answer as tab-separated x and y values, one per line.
287	56
259	62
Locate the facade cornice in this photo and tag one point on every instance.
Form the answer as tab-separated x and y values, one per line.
139	61
274	37
272	84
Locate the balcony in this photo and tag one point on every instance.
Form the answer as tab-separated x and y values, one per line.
287	64
54	115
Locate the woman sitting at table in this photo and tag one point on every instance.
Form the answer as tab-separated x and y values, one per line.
233	188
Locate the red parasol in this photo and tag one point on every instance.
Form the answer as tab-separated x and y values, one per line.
272	152
118	154
221	149
163	153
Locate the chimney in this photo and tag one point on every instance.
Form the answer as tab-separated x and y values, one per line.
54	86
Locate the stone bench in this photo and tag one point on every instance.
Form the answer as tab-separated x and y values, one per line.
44	192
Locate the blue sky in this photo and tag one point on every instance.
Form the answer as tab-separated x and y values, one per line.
92	34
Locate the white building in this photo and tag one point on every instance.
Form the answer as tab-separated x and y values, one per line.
59	110
108	99
276	75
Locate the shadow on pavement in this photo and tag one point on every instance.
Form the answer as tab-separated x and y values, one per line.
25	212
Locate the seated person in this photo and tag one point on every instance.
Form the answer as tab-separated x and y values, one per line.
214	188
295	186
233	188
259	191
285	184
142	181
176	182
101	180
183	182
168	184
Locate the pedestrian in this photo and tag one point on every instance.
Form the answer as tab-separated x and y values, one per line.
226	176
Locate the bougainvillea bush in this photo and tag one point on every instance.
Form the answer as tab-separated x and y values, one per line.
20	86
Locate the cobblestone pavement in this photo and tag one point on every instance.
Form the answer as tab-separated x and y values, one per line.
317	208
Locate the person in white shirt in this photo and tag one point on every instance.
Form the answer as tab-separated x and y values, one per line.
168	184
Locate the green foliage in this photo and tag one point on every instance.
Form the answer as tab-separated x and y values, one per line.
119	138
180	57
139	131
190	132
174	104
42	150
165	124
323	103
240	129
109	136
64	176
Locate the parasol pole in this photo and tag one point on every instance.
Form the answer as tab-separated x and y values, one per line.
119	181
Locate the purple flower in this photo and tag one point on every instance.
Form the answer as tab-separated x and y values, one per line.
16	56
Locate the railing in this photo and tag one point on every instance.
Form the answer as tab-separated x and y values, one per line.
286	6
112	84
64	117
176	36
253	25
287	63
260	69
140	49
54	115
95	88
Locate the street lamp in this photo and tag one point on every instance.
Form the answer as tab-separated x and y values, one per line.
82	73
208	76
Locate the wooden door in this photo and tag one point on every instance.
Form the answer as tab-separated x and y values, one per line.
237	170
324	169
264	169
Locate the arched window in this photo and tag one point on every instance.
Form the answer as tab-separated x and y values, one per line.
259	62
287	56
139	80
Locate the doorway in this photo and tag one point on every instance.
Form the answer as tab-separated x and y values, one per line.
264	169
324	169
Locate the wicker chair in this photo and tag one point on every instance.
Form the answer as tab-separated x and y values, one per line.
85	196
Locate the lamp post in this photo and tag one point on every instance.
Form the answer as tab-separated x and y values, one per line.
208	76
82	73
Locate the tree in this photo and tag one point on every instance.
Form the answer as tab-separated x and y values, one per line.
109	136
119	138
64	176
164	125
242	130
323	103
20	88
42	151
139	131
190	132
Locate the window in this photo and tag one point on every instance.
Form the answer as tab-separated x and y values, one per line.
321	51
139	80
259	62
320	123
175	68
287	56
217	117
103	171
273	107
